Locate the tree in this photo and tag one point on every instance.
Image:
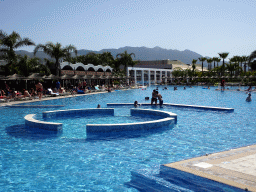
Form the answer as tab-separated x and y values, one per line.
245	59
57	52
223	56
251	58
8	45
214	59
194	65
209	61
218	60
202	59
28	65
231	67
106	58
126	59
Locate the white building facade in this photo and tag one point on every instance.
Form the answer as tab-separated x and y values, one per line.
148	76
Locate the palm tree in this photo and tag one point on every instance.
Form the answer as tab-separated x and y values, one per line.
194	65
202	59
8	45
223	56
106	58
252	57
126	59
57	52
209	61
231	67
245	59
218	60
235	61
214	59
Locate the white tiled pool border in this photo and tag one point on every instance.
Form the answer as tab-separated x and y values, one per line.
168	118
176	105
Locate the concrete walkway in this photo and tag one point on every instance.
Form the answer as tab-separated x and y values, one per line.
236	167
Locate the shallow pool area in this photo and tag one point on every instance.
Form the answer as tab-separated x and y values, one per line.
74	161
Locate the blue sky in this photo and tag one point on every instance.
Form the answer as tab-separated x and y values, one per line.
203	26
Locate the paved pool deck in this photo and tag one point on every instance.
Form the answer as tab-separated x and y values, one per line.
236	167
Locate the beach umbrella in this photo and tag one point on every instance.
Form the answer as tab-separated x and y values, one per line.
50	77
77	77
15	77
101	77
65	77
93	77
34	76
85	77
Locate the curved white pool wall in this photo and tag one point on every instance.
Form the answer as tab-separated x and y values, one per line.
30	121
168	118
80	112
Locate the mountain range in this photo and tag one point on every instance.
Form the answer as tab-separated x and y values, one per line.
141	53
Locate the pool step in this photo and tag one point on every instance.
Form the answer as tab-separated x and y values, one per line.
169	179
143	180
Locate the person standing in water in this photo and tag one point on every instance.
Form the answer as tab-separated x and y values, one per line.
39	90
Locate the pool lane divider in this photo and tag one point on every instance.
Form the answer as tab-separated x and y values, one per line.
167	119
176	105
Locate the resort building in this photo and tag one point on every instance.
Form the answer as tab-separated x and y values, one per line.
164	64
81	69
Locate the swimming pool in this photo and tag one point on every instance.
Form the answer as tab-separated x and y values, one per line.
71	161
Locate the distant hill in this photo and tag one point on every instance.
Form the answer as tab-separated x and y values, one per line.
141	53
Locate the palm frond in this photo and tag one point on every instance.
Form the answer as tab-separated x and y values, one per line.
25	41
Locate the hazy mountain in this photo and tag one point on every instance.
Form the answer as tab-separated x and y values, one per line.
141	53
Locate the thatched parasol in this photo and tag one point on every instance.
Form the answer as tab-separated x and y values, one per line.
15	77
85	77
50	77
77	77
65	77
34	76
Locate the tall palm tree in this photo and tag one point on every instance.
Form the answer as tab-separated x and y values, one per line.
57	52
214	59
11	42
251	58
231	67
223	56
126	59
245	59
209	61
202	59
194	65
218	60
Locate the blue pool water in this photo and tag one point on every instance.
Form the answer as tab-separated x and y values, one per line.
73	161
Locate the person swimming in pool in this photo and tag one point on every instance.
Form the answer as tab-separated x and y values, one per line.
249	98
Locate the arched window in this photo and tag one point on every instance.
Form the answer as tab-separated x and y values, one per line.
108	70
100	70
80	68
67	67
91	69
